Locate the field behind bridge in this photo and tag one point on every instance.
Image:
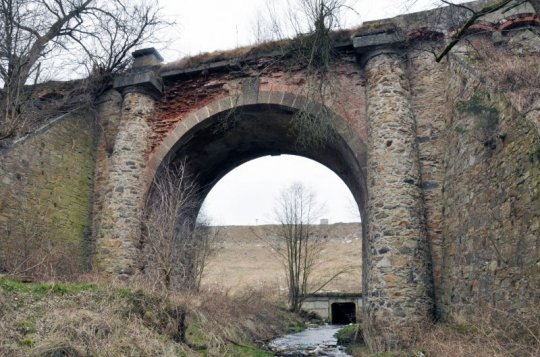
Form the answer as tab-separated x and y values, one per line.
243	260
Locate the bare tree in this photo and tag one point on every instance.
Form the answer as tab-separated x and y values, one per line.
177	245
307	26
296	240
94	35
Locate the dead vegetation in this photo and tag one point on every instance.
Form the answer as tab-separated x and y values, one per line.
486	332
30	252
489	332
102	320
513	68
177	245
281	47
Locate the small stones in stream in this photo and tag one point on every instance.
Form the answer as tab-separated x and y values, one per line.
310	351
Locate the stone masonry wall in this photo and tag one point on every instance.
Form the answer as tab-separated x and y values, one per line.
428	98
119	231
46	184
399	276
491	198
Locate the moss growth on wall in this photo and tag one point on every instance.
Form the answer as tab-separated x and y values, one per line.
486	114
46	183
491	198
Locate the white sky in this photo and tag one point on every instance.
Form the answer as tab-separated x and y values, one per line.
247	195
209	25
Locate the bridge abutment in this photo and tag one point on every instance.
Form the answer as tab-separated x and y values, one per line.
398	271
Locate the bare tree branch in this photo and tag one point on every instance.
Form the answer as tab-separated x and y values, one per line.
32	32
496	6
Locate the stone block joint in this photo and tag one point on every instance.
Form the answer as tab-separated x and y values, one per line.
399	278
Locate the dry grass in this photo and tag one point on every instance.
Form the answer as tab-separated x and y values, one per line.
513	69
489	332
244	261
94	320
486	332
245	52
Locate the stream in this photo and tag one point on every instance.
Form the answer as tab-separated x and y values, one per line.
319	341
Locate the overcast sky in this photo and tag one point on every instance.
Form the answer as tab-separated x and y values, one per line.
247	195
209	25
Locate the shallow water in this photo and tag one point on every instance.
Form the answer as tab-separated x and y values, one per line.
319	341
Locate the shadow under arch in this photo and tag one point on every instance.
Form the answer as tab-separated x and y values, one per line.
229	132
258	128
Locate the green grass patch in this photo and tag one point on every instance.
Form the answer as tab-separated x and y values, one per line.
26	326
45	289
249	351
195	337
349	334
27	342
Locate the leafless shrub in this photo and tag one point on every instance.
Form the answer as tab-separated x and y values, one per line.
315	48
176	244
310	25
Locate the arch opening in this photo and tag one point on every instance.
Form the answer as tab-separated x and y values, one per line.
248	194
343	313
245	205
218	143
224	141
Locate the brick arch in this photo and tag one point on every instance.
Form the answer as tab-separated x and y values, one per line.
286	100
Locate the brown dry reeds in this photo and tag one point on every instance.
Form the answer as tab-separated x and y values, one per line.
489	332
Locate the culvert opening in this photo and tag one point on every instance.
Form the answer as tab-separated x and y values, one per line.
343	313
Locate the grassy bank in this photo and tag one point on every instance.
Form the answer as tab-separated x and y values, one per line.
82	319
479	335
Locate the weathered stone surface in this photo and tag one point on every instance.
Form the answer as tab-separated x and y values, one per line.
365	42
429	102
118	233
146	57
139	79
46	190
491	198
453	173
399	274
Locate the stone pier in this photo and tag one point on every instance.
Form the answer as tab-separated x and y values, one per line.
119	235
398	272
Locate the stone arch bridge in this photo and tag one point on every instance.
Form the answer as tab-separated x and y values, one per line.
433	197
